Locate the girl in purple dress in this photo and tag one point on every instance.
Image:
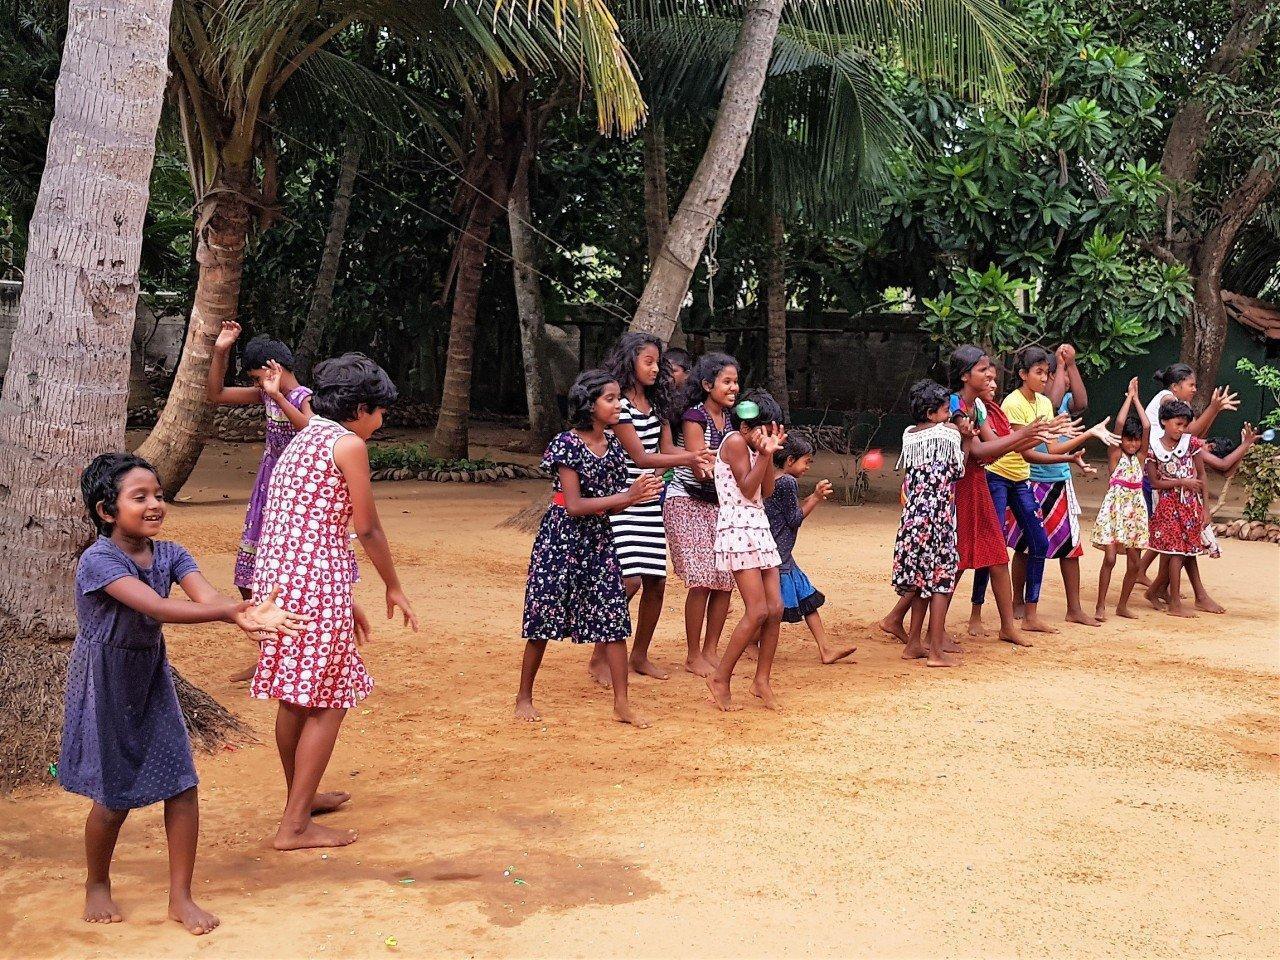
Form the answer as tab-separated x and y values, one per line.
269	363
124	742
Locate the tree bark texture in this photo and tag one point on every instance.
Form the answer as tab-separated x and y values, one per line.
776	312
64	398
657	213
176	440
482	196
308	345
544	417
687	234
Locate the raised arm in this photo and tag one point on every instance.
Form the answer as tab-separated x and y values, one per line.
299	417
1075	382
215	389
1221	399
352	457
1248	437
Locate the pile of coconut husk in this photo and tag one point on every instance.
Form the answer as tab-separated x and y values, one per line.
479	474
1249	530
33	678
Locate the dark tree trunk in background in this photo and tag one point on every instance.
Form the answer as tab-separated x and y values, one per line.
776	313
656	208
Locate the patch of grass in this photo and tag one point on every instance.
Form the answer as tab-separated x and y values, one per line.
414	456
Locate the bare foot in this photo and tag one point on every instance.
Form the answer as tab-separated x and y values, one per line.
720	693
1178	610
1038	626
647	668
914	650
526	711
329	801
243	676
700	666
949	644
765	693
600	674
942	660
98	905
712	657
1209	605
893	628
1080	617
197	920
312	835
1100	614
624	714
829	656
1122	610
1016	638
976	629
1155	599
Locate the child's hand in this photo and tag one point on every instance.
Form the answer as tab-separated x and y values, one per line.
965	426
227	335
269	618
772	438
823	490
271	382
1078	459
703	460
1248	436
1133	389
646	487
1066	354
1193	484
1088	471
1102	433
1224	399
360	621
396	598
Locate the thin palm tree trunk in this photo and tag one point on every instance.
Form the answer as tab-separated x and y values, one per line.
308	345
544	418
176	440
776	311
65	392
657	212
701	205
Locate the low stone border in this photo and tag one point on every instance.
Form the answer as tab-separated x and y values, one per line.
500	471
1249	530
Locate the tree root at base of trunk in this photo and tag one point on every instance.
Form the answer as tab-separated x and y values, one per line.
33	678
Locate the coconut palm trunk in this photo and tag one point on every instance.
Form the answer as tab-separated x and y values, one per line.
308	345
776	311
657	212
175	442
544	418
687	234
67	384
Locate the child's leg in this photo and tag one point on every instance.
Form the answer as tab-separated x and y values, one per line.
755	612
596	665
1176	606
1148	558
892	623
915	648
826	652
647	614
1203	600
1156	593
1023	504
695	615
1018	572
1002	590
717	614
615	655
289	720
769	631
315	747
182	830
533	651
101	830
1071	584
938	656
1104	580
1132	570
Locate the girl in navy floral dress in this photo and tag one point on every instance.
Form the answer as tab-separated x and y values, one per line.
925	555
575	589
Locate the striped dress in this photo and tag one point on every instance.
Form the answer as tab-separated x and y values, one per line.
638	534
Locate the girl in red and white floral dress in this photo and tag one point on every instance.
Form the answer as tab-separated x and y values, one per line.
319	487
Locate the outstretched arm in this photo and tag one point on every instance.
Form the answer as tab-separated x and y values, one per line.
1248	437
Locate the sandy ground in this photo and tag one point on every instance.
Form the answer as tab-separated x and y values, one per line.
1112	792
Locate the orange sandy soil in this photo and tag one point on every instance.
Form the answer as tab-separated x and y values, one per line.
1112	792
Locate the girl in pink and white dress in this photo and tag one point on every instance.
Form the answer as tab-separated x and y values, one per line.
319	487
744	474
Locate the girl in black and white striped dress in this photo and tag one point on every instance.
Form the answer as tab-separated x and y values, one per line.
639	537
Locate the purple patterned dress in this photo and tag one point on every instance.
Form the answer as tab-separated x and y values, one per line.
279	432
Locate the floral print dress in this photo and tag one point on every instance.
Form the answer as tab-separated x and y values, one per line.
1122	518
1177	523
574	590
925	556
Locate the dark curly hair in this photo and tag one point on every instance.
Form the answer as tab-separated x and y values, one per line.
621	365
100	484
795	448
1172	409
770	412
1173	374
345	384
707	368
927	396
1132	427
963	359
1028	357
263	348
583	395
678	357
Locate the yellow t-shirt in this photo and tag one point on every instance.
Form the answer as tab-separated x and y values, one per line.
1020	411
